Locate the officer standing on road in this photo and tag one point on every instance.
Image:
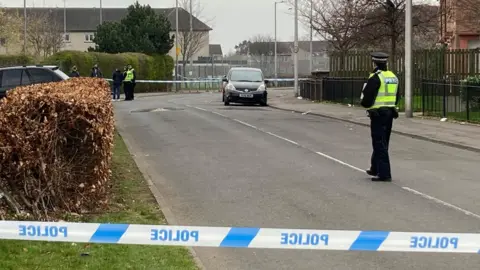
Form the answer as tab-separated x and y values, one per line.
128	83
380	97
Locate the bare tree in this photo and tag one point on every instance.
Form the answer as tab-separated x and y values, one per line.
191	42
10	30
44	34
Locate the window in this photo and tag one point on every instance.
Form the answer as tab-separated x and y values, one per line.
89	37
39	75
25	78
246	75
67	37
11	78
3	41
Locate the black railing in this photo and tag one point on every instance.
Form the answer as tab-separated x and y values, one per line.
451	99
338	90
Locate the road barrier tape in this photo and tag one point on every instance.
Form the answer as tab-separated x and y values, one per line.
240	237
206	81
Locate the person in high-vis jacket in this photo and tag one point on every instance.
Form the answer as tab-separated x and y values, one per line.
380	98
128	84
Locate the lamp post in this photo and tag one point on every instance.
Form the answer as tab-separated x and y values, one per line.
64	20
101	15
295	50
408	59
24	26
275	54
311	36
176	45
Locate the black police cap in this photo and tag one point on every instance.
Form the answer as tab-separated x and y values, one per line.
379	57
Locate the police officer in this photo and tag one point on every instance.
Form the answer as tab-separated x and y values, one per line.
134	78
128	83
380	98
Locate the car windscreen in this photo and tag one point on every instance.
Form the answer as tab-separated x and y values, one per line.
246	76
61	74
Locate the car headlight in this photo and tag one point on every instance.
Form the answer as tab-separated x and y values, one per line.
230	87
261	87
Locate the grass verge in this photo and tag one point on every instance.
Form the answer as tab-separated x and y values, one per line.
132	202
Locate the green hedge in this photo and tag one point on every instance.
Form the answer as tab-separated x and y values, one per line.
15	60
158	67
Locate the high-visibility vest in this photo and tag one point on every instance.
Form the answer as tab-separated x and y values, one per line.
387	93
129	76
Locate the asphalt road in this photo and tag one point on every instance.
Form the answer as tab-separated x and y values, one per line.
262	167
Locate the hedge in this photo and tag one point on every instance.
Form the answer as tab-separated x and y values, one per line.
158	67
15	60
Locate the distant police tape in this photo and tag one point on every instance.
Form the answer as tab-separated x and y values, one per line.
205	81
238	237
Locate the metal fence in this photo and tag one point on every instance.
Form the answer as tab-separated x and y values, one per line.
285	69
451	99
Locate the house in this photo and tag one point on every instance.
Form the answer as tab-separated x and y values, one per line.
216	51
459	24
81	24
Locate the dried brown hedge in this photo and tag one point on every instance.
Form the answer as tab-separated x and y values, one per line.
56	143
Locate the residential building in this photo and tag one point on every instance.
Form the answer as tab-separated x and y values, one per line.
81	24
459	23
216	51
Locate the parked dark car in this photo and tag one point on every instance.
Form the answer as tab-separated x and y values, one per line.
11	77
245	85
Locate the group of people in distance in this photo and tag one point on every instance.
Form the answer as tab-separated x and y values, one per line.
127	78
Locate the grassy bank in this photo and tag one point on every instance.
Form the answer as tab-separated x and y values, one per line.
132	202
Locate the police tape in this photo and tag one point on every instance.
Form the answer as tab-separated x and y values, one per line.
206	81
240	237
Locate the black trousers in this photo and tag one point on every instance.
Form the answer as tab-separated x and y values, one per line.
127	88
381	121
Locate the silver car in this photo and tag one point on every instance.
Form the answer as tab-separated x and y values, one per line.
245	85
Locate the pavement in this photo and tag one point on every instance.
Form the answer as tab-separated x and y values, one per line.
263	167
457	134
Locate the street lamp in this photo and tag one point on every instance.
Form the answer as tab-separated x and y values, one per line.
295	51
275	57
408	59
311	36
24	26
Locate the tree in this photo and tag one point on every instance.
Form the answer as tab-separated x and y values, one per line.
10	30
191	42
142	30
337	21
44	34
256	46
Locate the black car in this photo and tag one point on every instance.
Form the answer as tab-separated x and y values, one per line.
11	77
245	85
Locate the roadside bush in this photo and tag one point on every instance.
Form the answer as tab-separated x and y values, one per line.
471	91
158	67
15	60
56	144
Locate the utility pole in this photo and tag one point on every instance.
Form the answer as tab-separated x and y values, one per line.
311	36
64	21
408	59
101	15
191	38
177	51
24	26
295	51
275	54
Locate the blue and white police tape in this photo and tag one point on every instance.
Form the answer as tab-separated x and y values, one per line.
238	237
206	81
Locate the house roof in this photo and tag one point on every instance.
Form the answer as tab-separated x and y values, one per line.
87	19
215	49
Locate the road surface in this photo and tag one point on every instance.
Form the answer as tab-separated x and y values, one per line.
262	167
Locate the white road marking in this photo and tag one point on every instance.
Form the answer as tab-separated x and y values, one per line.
246	124
280	137
201	109
217	113
339	161
426	196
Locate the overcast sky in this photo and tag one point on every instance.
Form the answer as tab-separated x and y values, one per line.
232	20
